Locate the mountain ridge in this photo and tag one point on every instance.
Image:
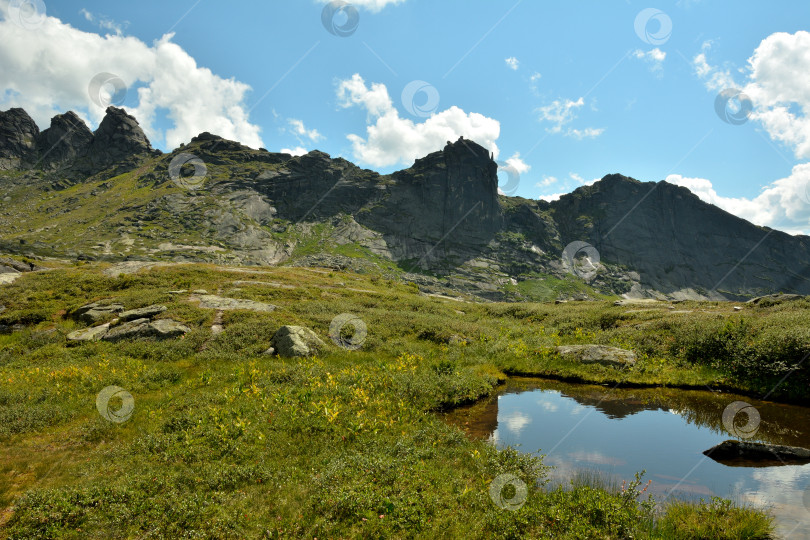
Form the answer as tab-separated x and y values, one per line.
440	223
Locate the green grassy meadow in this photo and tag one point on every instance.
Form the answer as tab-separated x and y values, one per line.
227	442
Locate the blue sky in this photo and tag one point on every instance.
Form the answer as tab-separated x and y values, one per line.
564	92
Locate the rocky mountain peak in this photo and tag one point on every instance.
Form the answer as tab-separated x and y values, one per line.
69	146
118	137
18	133
67	139
462	153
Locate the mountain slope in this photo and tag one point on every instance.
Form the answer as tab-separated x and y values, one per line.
70	192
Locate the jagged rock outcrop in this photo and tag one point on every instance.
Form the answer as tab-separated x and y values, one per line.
69	147
18	138
118	138
64	143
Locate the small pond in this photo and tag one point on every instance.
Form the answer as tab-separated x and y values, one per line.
617	432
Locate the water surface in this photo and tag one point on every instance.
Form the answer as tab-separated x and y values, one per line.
618	432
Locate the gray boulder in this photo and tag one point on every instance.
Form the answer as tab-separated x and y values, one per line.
756	454
147	312
128	330
167	329
597	354
95	312
295	341
14	265
94	333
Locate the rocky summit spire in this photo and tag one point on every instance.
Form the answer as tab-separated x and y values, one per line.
18	133
118	137
66	140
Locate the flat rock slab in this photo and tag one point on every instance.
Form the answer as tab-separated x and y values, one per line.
89	334
143	328
265	283
132	267
597	354
211	301
755	454
147	312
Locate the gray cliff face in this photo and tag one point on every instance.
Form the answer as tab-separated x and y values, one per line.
442	215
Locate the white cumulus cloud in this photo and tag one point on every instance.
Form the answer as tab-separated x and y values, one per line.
518	164
783	204
777	80
391	139
512	63
47	71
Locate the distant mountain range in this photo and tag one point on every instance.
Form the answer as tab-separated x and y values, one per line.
69	192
